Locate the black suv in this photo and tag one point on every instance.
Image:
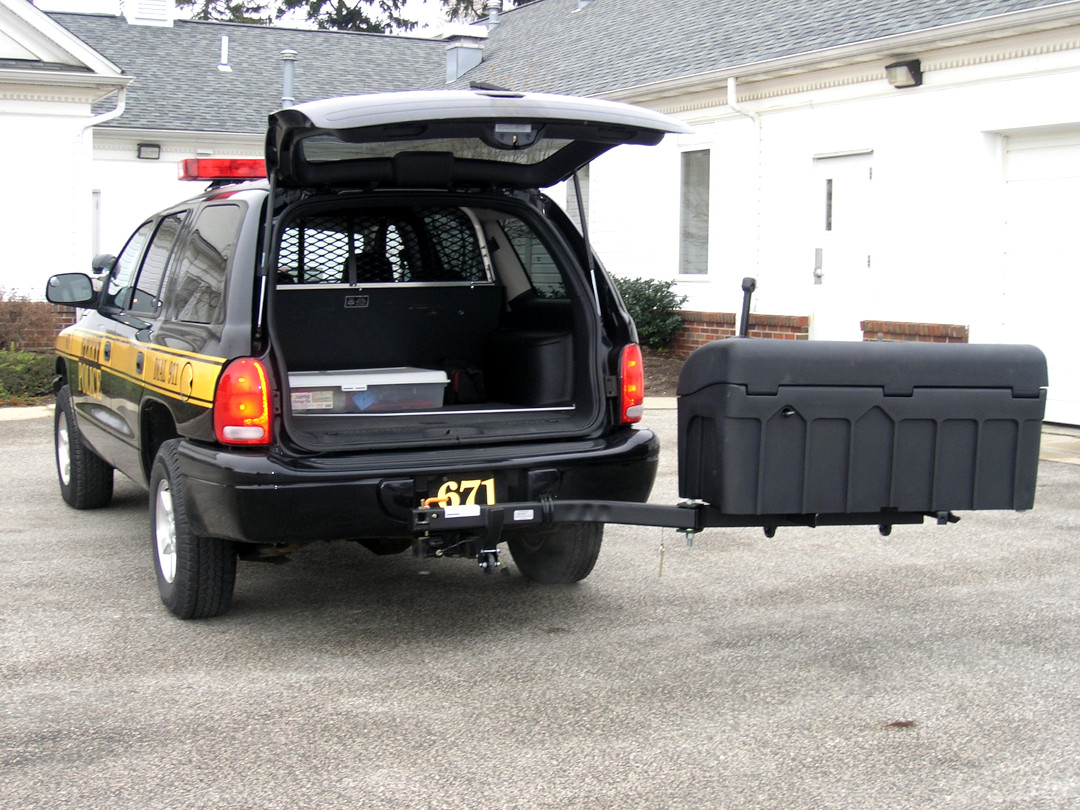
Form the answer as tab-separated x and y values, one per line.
395	315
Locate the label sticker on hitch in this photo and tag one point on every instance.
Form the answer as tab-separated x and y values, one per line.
451	512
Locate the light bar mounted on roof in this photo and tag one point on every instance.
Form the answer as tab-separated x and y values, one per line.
215	169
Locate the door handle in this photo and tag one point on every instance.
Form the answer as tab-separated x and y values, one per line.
106	351
139	363
819	255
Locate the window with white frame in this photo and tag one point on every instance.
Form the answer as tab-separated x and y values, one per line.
694	213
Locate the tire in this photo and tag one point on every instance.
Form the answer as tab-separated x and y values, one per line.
560	557
195	575
86	481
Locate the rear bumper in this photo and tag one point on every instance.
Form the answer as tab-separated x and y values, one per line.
260	498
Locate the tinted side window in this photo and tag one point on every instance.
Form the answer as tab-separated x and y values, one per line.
544	274
153	270
198	294
118	292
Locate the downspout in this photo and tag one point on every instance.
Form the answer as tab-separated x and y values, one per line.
80	140
733	103
116	112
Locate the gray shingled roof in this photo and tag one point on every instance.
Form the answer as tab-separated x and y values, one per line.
546	45
616	44
178	85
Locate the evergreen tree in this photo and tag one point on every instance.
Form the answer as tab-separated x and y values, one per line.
375	16
238	11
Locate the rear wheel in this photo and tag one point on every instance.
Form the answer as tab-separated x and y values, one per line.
195	575
559	557
86	481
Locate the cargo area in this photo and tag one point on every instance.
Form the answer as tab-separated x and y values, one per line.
399	324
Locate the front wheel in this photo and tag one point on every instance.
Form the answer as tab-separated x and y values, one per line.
195	575
558	557
86	481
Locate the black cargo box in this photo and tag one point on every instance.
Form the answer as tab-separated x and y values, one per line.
770	427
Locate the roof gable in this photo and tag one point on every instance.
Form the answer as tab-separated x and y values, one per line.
179	86
31	40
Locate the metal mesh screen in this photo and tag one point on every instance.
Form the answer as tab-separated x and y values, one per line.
360	247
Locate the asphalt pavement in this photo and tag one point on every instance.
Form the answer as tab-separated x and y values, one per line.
827	668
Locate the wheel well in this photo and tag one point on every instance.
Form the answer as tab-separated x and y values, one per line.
157	427
61	374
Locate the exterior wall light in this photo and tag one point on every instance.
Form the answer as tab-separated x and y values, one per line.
904	74
148	151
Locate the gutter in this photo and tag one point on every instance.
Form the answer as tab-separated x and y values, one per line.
64	78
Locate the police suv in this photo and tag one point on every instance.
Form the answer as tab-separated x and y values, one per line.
395	315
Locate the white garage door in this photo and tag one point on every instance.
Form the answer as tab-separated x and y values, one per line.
1042	259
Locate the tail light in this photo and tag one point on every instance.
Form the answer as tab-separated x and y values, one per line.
631	385
242	412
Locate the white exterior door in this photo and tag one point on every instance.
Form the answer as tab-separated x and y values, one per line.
1042	259
842	253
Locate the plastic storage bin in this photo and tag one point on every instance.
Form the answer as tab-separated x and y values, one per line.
784	427
366	390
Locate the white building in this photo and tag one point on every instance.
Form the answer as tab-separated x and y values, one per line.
49	83
950	201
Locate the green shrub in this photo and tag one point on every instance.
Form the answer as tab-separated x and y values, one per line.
25	377
653	306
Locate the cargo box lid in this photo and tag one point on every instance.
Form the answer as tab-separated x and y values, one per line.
763	366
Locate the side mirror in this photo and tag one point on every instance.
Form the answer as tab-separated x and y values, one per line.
103	263
72	290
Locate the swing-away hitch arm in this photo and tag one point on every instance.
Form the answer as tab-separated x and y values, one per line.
491	520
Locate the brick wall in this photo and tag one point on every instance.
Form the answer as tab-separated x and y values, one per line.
921	332
700	328
32	326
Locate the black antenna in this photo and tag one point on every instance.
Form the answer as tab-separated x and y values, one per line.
748	287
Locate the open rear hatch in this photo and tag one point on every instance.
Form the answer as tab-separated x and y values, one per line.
420	293
443	139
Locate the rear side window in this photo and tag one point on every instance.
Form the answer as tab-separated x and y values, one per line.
384	247
198	292
541	269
